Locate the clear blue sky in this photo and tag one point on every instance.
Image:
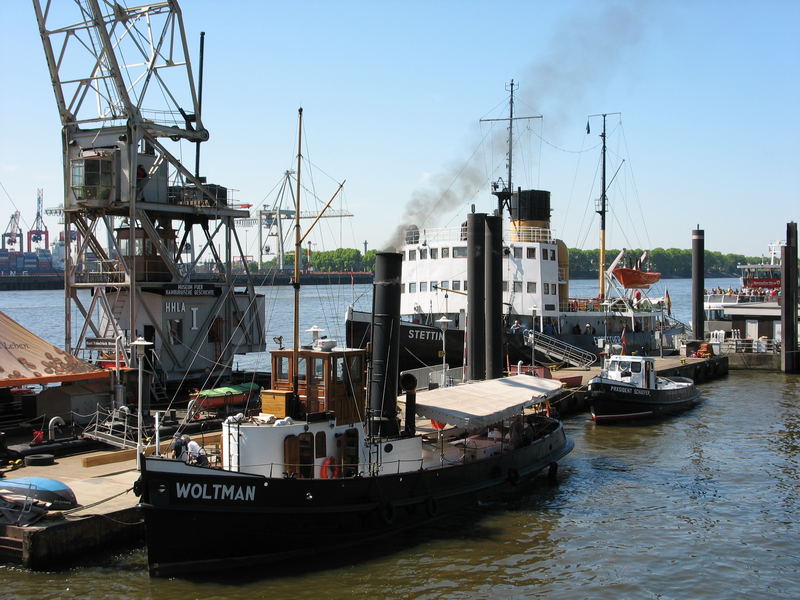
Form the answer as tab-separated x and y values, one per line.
392	93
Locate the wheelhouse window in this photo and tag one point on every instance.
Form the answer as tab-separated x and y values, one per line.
531	287
552	254
459	251
423	286
517	286
434	253
282	366
531	252
423	253
445	252
456	285
546	289
517	252
412	255
412	288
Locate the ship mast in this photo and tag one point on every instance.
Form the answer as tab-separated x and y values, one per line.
504	196
297	250
603	205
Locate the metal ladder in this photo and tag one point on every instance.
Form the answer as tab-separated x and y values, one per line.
559	350
117	428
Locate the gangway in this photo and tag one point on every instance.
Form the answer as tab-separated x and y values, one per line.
559	350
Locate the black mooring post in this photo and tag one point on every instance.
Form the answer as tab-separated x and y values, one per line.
698	279
790	357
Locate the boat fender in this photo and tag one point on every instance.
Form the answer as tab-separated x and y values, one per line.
513	476
137	487
431	506
329	469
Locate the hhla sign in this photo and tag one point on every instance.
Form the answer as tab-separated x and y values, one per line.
179	308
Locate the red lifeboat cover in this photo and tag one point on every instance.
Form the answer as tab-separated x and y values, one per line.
634	278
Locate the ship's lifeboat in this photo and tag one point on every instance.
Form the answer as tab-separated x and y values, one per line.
634	278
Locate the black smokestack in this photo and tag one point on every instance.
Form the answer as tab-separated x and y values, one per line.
476	275
494	297
385	344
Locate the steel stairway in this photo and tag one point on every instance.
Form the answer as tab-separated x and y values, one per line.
559	350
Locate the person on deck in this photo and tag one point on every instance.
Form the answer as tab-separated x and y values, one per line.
516	327
178	447
197	454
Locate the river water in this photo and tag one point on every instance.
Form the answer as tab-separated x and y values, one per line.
703	505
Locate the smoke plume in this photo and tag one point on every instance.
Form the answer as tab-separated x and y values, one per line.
583	51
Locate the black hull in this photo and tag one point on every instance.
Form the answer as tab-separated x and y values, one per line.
421	345
277	520
613	401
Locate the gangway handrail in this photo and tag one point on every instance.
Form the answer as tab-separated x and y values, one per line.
560	349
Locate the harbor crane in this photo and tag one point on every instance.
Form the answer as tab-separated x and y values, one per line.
13	233
39	229
127	99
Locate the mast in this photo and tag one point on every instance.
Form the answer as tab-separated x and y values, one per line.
603	205
603	218
510	138
504	196
297	241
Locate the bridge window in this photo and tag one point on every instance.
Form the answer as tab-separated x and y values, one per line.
445	252
434	253
412	255
412	288
459	251
517	287
517	252
423	286
423	253
531	287
531	252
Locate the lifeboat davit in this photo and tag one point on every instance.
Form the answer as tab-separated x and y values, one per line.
634	278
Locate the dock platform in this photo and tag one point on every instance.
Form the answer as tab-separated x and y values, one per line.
107	515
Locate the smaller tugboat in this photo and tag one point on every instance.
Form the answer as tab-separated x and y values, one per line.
629	388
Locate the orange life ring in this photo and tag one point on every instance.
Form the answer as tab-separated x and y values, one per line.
329	469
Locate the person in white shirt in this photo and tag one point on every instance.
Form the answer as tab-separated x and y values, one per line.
196	453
